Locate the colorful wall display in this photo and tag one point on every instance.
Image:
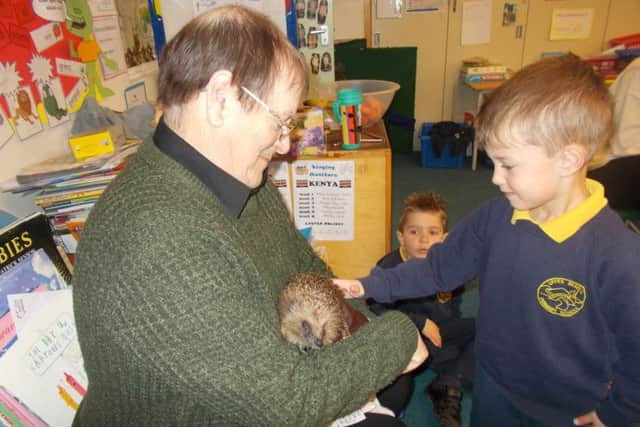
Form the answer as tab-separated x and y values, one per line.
55	53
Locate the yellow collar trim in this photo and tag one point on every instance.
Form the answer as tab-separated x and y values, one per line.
403	253
567	224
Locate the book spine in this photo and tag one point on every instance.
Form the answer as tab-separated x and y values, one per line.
486	69
49	200
486	77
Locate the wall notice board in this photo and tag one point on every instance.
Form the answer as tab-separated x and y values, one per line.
54	54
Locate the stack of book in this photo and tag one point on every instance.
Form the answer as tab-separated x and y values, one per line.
484	72
43	379
66	191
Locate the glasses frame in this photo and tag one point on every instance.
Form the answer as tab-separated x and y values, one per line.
286	126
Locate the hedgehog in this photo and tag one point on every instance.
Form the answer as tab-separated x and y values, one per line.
314	313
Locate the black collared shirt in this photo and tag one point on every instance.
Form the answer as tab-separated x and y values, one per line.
232	193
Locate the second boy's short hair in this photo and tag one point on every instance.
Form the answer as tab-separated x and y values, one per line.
424	202
551	103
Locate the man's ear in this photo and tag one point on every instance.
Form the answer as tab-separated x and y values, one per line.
218	92
573	157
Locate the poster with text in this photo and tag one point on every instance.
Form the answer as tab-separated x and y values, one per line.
279	174
324	198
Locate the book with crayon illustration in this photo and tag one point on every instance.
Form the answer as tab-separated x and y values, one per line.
43	379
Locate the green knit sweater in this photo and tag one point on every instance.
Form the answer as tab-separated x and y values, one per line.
175	303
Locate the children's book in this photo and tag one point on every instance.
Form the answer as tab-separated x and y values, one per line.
29	262
43	371
33	273
26	235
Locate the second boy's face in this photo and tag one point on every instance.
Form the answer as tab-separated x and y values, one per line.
421	231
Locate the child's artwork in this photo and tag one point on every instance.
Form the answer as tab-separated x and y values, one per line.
24	112
6	131
53	101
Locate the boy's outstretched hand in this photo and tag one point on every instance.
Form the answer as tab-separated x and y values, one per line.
350	288
590	419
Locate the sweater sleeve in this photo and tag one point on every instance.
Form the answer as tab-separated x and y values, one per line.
449	264
218	338
620	299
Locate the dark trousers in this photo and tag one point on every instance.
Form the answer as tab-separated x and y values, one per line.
453	363
621	180
395	396
492	408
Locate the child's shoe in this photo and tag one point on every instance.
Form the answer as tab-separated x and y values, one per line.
446	404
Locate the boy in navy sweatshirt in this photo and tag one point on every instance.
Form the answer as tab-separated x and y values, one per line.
448	336
557	340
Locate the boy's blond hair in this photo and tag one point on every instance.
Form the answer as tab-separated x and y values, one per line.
551	103
424	202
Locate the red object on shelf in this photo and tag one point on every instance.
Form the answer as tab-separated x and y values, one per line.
604	64
629	41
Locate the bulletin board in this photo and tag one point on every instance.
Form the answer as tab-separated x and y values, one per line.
56	53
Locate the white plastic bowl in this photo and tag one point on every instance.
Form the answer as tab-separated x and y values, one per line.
376	97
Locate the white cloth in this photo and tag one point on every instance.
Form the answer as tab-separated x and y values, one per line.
626	113
373	406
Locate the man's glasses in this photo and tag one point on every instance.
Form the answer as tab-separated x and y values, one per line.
286	126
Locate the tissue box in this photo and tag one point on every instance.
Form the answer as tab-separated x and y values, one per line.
98	143
308	136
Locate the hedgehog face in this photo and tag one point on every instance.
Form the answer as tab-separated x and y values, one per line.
310	312
310	328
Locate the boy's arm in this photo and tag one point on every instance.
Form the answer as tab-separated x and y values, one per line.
620	300
450	263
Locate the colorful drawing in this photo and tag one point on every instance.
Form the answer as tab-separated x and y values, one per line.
51	103
24	112
80	23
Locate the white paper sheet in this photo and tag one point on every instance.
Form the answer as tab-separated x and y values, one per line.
476	22
571	24
324	198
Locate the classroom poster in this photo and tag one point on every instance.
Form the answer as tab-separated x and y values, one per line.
279	174
324	198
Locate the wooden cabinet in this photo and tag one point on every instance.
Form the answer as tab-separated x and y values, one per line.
372	207
437	34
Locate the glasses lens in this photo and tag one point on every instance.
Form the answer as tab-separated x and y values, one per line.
288	127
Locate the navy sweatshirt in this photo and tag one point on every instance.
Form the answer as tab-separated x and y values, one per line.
559	312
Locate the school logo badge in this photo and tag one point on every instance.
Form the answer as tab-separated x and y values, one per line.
444	297
561	297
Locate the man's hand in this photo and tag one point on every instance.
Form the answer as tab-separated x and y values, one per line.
590	419
349	288
432	332
418	357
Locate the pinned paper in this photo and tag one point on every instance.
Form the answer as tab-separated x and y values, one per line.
24	112
50	10
70	68
46	36
6	131
571	24
53	101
